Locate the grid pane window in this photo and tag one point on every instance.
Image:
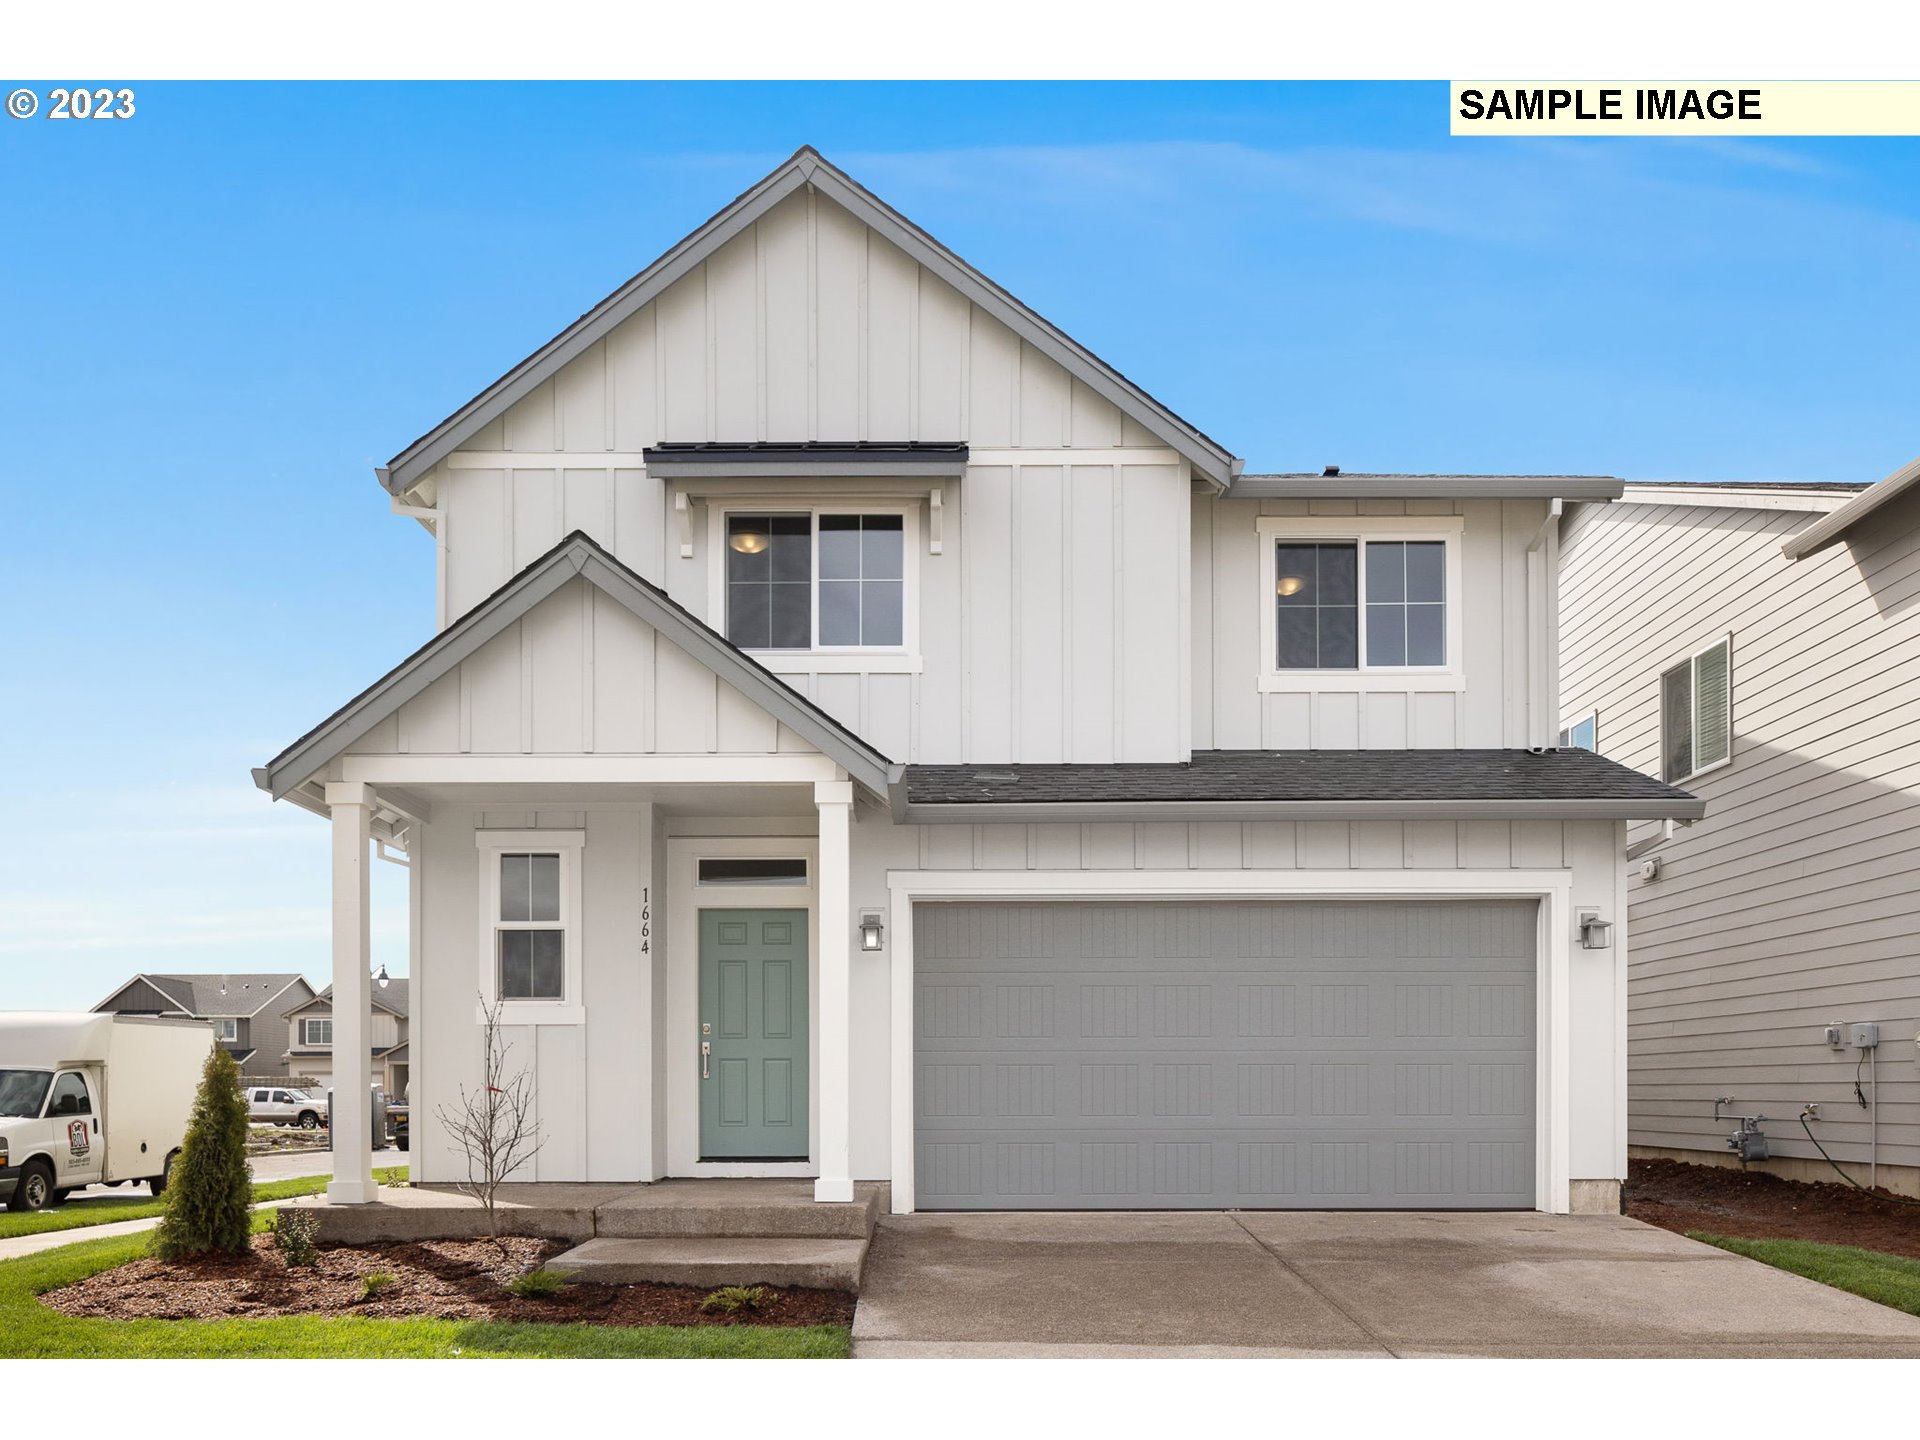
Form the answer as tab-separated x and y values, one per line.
318	1032
770	581
531	940
1406	602
1316	599
862	579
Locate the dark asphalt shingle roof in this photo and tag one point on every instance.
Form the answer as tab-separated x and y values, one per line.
200	994
1297	775
395	996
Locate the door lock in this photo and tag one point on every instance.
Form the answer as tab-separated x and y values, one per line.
706	1049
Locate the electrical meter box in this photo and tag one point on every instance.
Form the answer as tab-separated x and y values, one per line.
1866	1035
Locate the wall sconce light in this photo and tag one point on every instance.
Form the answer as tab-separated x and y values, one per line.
873	934
1595	933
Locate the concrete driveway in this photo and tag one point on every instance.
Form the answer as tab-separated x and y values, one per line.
1312	1283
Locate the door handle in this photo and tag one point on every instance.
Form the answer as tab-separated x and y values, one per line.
706	1049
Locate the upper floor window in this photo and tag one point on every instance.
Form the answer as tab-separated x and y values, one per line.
226	1031
1696	713
823	587
1582	734
316	1032
1360	603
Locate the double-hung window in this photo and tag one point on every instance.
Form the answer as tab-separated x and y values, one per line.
1359	605
820	581
530	923
1696	713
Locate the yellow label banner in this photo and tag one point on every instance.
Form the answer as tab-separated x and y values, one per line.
1685	107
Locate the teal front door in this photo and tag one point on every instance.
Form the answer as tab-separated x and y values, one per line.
753	1034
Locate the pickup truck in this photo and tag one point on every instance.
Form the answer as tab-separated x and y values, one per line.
93	1099
280	1106
398	1125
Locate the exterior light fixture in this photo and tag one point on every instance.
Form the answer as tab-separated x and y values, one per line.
748	542
1595	933
873	934
380	976
1290	585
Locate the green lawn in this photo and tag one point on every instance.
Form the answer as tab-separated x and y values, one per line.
78	1214
1890	1279
29	1330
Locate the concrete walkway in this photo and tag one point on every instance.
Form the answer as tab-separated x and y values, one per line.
1322	1284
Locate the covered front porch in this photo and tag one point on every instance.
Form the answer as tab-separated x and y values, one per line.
668	877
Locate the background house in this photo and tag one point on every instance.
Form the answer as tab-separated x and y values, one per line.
248	1011
1760	645
309	1030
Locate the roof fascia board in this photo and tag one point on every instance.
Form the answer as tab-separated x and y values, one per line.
1425	487
576	557
1714	497
426	452
1014	812
1829	528
1206	456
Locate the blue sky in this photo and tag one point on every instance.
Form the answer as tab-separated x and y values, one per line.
218	316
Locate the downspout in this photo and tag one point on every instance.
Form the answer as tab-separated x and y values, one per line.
1541	728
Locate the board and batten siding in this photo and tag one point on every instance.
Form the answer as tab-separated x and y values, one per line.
1053	625
1796	902
1500	665
580	674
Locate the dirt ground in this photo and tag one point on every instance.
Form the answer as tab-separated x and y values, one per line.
445	1279
1753	1206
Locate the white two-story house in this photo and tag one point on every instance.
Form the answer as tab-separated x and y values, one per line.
867	737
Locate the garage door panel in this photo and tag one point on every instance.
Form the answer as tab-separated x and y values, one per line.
1113	1056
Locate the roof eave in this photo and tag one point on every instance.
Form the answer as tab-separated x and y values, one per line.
1426	487
1028	812
1829	528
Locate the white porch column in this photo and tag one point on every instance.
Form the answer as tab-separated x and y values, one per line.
834	800
351	804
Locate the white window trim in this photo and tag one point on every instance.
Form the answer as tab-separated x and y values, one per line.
1585	715
306	1033
1362	530
570	1008
1692	662
219	1033
902	659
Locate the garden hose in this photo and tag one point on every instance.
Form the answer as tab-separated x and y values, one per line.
1897	1199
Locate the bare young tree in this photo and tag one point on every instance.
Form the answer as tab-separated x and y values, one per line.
493	1126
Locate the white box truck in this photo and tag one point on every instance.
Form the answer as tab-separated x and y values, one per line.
89	1099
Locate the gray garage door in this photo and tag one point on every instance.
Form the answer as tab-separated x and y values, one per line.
1267	1055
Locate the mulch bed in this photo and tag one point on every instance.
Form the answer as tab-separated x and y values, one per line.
442	1279
1755	1206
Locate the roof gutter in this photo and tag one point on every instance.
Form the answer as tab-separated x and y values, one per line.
907	812
1831	526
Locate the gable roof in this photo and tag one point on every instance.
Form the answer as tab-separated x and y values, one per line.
246	995
575	556
807	167
395	997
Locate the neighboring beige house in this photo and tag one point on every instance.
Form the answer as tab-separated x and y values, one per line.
248	1011
1759	645
310	1038
868	737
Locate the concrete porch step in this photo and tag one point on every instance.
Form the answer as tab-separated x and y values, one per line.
742	1209
821	1264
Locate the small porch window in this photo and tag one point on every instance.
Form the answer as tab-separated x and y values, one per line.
530	924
